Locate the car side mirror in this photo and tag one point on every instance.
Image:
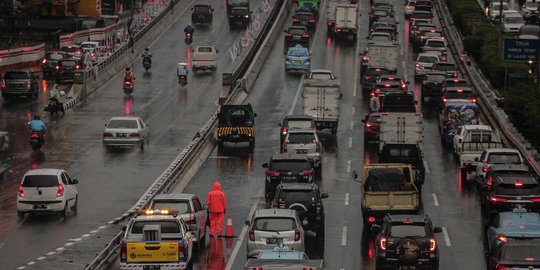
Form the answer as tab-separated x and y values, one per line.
193	50
75	181
324	195
247	222
476	159
265	165
255	115
437	230
105	125
335	77
279	124
375	229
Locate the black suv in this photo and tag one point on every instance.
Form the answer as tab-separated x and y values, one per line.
450	69
20	83
432	86
406	240
523	254
65	69
239	16
307	19
50	61
370	77
296	35
506	186
306	199
202	14
294	122
286	168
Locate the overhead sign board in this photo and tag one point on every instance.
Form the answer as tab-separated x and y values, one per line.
522	50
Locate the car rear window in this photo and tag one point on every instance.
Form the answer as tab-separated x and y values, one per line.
298	52
202	9
123	124
40	181
68	63
321	76
377	72
274	224
435	44
205	49
290	196
428	59
296	31
303	138
55	56
303	16
504	158
288	165
405	230
422	15
521	253
444	67
457	83
181	206
69	49
16	76
166	226
455	94
374	119
437	78
379	38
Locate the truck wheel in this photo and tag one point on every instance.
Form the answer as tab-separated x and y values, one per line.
320	231
252	144
75	206
64	212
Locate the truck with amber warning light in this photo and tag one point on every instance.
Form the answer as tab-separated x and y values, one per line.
157	239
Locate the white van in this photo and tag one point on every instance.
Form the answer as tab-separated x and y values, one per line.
512	22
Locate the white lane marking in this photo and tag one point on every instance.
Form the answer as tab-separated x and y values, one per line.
404	68
352	125
346	198
344	236
94	231
426	166
243	233
41	258
21	267
349	166
31	263
353	110
75	239
446	237
298	91
435	199
102	227
85	235
51	253
69	244
350	142
60	249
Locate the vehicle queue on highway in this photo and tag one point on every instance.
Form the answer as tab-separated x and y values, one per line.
510	191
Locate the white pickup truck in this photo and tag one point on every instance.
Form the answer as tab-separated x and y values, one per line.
321	101
469	144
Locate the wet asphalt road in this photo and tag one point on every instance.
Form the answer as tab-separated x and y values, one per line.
110	182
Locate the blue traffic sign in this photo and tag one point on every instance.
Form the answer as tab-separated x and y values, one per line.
521	50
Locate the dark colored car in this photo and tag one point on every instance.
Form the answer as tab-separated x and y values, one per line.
421	14
372	127
416	36
306	19
202	14
370	78
73	51
507	186
236	3
286	168
378	13
65	69
296	35
20	83
425	3
239	16
306	199
389	30
389	83
414	31
451	69
398	102
408	153
406	240
515	255
50	61
424	35
432	86
294	122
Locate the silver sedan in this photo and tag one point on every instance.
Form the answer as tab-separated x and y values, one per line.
126	131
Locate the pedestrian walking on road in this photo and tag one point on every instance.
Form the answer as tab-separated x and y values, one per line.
217	206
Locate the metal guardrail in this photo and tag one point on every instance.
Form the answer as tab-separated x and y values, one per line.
488	96
179	167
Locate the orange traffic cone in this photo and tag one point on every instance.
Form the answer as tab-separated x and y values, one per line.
229	229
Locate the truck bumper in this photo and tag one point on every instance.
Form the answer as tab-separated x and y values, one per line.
162	266
467	162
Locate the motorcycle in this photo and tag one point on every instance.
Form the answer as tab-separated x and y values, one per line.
189	38
182	79
147	63
36	140
54	107
128	87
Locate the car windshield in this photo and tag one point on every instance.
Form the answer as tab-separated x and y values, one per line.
504	158
444	67
291	165
292	196
513	20
274	224
521	253
16	76
300	124
403	230
181	206
298	53
40	181
167	226
55	56
428	59
321	76
301	138
123	124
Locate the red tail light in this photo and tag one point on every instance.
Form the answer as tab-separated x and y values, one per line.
60	191
306	173
251	235
318	206
296	20
367	78
417	65
495	199
188	34
455	74
368	124
330	24
44	61
57	67
21	191
192	10
29	85
77	67
338	30
296	235
107	134
537	200
284	131
305	35
134	135
502	238
473	100
123	252
518	184
485	168
490	181
181	249
34	136
3	84
444	100
432	245
409	8
382	243
500	267
272	174
371	219
311	21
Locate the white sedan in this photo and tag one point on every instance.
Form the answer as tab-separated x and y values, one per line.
126	131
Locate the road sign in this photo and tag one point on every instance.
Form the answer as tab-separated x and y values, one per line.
521	50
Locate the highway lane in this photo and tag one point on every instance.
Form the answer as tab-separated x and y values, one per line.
110	182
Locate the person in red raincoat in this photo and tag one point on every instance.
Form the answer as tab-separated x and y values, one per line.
216	205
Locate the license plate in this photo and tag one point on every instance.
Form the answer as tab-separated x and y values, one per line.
40	206
297	62
122	135
301	151
288	178
303	23
272	241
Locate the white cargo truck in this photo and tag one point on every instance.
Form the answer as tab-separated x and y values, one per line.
382	55
342	21
321	101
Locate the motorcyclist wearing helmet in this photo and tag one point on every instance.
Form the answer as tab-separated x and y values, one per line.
147	53
36	125
189	29
182	70
129	76
56	97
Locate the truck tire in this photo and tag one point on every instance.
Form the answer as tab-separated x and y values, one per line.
252	144
320	231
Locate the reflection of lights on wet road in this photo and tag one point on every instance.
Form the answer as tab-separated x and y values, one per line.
328	41
45	86
127	104
188	55
35	165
